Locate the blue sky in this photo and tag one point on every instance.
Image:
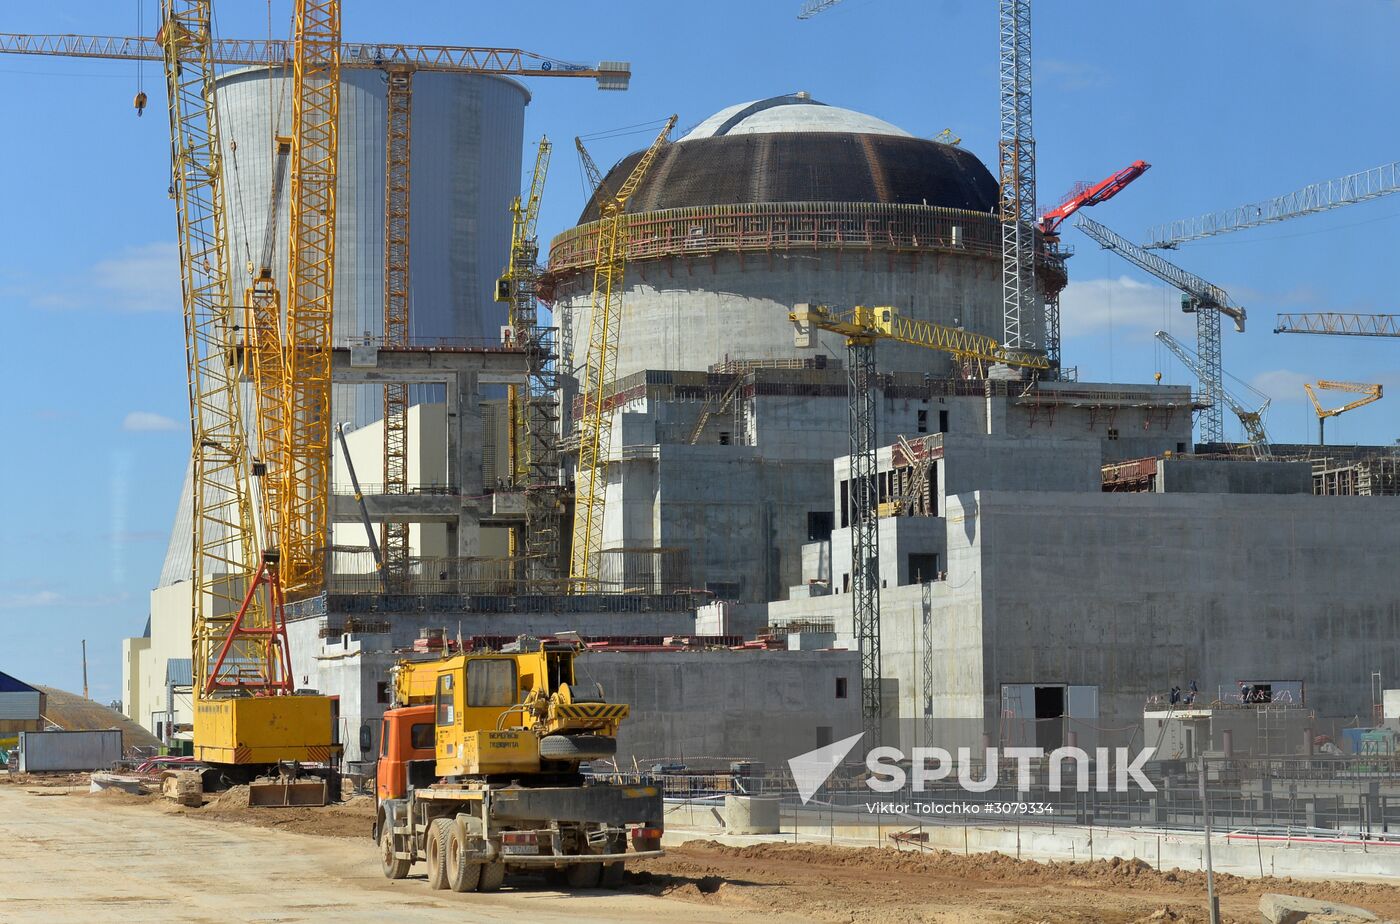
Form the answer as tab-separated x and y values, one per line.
1231	102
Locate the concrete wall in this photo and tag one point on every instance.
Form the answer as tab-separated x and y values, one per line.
1138	592
689	316
693	706
1218	476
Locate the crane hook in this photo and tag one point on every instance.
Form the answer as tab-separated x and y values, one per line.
140	103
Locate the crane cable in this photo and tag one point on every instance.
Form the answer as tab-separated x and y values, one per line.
140	99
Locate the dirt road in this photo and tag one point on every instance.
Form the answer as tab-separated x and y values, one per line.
67	856
89	859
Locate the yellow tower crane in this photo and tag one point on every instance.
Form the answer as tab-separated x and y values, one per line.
533	412
604	328
863	327
246	717
398	147
1369	393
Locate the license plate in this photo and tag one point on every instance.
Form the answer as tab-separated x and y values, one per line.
520	848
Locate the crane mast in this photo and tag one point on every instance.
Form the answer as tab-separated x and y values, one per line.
394	534
595	421
862	327
1207	301
1017	172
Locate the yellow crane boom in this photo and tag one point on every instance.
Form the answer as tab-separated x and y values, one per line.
224	540
595	421
311	281
1369	393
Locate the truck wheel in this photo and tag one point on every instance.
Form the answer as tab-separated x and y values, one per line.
612	875
577	747
492	875
394	867
584	875
462	871
437	852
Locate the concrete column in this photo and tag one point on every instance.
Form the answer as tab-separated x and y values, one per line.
1308	742
464	459
1227	742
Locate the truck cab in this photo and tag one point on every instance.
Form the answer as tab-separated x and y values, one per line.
407	751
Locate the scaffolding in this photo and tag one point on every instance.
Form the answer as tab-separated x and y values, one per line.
700	232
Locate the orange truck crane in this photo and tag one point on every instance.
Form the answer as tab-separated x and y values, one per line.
480	773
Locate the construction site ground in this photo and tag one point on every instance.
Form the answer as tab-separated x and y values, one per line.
70	855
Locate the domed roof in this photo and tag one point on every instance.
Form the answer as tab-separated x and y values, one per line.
795	149
796	112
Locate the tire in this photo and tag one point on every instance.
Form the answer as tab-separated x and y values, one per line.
612	875
613	872
492	875
584	875
394	867
577	747
437	852
462	870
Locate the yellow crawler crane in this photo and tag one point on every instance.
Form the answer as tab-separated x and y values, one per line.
246	716
595	419
1369	393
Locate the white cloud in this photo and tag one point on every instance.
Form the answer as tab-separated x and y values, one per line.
1281	384
29	600
1091	306
25	600
146	422
143	278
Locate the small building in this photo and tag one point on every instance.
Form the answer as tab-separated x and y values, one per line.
21	708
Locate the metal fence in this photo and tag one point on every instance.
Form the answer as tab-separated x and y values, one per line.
1302	800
